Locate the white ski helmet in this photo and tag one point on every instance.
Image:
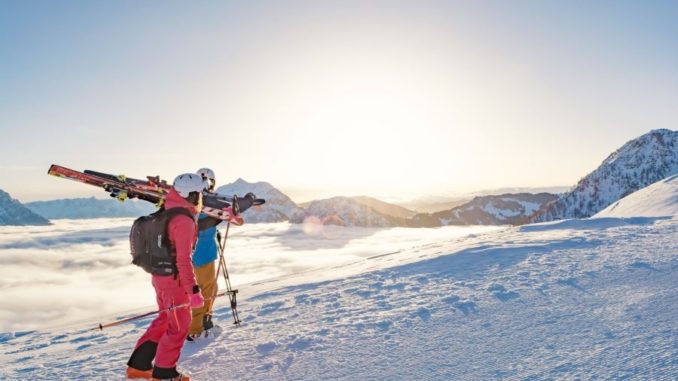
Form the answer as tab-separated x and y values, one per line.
206	173
187	183
208	177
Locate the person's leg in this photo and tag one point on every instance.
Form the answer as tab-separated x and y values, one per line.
178	320
211	290
206	278
147	345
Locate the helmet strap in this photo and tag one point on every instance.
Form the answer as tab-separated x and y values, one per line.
194	198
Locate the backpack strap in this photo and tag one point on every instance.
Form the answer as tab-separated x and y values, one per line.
208	222
167	216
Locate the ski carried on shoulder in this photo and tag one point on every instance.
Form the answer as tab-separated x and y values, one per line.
154	190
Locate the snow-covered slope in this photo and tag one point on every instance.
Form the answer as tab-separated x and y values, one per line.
635	165
344	211
90	208
12	212
506	209
658	199
595	302
278	207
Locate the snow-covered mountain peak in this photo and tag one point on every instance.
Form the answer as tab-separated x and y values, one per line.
279	207
242	186
637	164
240	182
654	143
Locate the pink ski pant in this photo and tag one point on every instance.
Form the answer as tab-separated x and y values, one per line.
170	328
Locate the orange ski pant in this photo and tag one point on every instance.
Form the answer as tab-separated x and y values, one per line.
206	278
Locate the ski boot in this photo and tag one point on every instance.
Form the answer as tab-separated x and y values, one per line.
138	374
206	326
142	358
207	323
168	374
180	377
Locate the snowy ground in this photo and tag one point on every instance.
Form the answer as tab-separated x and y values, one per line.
578	299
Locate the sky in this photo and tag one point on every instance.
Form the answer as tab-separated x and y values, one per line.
393	99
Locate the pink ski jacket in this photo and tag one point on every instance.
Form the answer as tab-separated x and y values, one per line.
183	232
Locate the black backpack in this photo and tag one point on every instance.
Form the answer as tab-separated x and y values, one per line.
150	244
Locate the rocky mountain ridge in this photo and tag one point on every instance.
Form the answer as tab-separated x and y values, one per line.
637	164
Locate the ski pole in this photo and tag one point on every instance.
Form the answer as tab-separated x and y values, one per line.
224	271
122	321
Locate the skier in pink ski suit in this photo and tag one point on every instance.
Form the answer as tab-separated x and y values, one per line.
157	351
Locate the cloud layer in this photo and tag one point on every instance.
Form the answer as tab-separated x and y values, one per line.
79	271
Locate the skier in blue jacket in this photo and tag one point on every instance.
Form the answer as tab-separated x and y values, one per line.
204	256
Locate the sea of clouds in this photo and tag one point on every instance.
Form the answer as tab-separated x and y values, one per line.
78	272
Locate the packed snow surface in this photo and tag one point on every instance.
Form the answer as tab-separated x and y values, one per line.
658	199
578	299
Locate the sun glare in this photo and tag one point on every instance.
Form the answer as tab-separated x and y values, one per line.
362	123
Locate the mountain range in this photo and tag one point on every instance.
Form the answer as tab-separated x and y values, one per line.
433	204
637	164
345	211
506	209
91	207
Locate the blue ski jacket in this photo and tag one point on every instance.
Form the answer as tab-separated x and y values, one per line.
206	250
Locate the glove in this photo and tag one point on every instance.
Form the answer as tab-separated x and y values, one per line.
196	300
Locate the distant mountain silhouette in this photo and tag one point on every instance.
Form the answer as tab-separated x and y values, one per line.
83	208
12	212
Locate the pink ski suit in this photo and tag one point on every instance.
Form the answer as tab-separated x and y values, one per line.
169	329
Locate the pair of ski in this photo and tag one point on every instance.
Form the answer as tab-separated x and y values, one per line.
155	190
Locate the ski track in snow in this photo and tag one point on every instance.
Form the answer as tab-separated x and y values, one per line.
581	299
